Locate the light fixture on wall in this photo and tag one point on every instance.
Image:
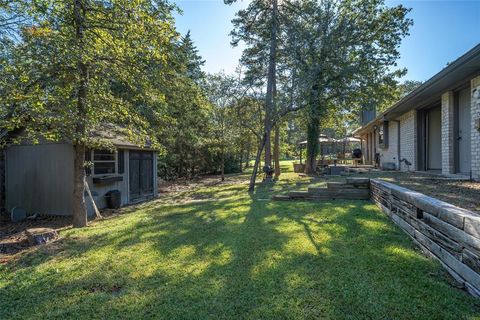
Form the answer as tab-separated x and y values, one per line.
476	93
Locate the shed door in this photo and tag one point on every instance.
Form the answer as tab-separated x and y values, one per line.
464	128
434	139
141	174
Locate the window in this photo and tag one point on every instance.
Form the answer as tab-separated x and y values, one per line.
380	135
383	135
104	162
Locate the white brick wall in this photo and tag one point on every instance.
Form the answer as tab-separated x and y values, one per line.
390	154
408	141
448	155
475	134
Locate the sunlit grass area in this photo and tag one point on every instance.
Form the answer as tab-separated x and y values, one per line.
219	253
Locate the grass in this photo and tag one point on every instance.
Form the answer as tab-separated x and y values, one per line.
218	253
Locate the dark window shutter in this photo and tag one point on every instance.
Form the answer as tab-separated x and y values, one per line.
121	161
385	134
88	158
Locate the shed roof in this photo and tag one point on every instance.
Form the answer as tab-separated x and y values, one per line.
116	136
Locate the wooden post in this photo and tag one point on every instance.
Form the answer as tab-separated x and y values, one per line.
97	212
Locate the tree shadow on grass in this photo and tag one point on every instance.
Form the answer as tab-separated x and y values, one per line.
241	258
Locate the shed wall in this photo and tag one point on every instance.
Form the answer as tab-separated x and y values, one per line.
39	178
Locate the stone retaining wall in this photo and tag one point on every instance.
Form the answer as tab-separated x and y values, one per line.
443	231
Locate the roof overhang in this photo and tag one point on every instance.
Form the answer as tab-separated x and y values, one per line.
455	76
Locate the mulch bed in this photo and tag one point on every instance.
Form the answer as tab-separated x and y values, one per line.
462	193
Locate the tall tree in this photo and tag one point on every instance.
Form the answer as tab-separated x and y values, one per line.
221	92
342	50
193	61
259	27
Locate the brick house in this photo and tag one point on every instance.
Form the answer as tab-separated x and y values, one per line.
434	128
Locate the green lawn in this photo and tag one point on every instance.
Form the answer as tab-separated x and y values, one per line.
218	253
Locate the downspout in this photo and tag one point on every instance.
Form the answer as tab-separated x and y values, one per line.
399	160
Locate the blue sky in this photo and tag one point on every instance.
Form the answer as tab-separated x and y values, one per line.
442	31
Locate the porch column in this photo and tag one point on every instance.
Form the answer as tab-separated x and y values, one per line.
475	129
448	141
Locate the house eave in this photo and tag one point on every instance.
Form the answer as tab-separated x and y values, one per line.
452	77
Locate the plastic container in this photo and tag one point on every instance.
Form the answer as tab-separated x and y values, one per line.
114	199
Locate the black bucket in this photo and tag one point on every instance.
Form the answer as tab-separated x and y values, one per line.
114	199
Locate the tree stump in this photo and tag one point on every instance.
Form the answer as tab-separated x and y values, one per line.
38	236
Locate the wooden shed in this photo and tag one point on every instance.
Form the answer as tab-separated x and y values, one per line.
39	177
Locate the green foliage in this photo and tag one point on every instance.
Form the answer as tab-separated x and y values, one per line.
126	49
395	93
343	53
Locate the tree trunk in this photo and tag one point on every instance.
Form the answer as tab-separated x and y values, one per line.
247	160
269	98
253	177
268	151
241	156
79	208
313	133
276	152
223	162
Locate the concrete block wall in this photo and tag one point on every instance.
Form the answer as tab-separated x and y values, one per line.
448	155
408	141
475	133
443	231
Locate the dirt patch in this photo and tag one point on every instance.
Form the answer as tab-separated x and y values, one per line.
182	185
12	235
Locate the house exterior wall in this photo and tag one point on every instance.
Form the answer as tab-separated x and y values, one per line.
408	140
475	130
390	154
448	140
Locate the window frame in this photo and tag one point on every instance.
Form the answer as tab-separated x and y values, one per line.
383	135
114	160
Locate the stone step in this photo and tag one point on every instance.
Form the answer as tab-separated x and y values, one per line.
360	194
358	181
307	195
345	186
339	190
281	197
